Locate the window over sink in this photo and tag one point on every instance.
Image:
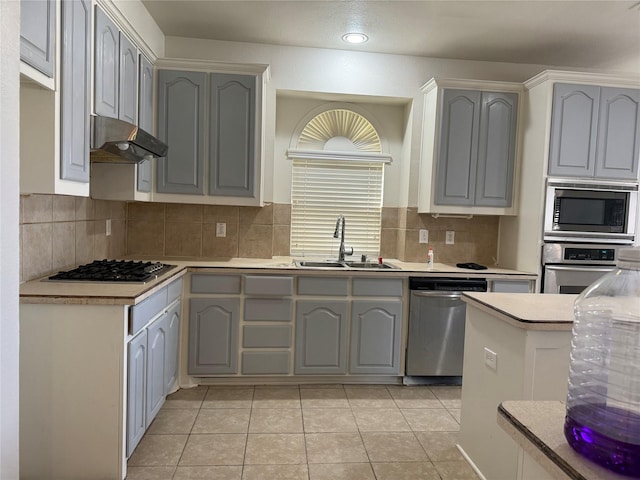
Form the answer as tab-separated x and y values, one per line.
337	169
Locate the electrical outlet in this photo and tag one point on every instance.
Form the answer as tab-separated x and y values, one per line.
450	237
107	228
424	236
490	359
221	229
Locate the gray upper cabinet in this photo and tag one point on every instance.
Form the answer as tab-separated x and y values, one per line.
595	132
128	86
476	148
321	337
181	124
618	147
116	72
376	331
38	34
232	130
213	335
458	147
496	149
74	90
107	66
145	99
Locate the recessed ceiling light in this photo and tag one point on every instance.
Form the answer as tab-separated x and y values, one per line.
355	37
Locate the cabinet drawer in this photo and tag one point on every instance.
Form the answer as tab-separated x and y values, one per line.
264	285
505	286
174	291
268	309
266	336
264	363
147	309
378	287
323	286
209	283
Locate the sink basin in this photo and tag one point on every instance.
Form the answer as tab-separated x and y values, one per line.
344	265
311	264
370	265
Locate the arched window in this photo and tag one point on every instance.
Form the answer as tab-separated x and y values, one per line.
337	169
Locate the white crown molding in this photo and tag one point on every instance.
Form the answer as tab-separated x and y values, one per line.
602	79
467	84
208	65
110	8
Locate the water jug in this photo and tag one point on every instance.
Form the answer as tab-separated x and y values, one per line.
603	401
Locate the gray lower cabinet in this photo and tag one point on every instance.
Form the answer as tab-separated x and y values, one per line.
136	390
74	91
173	342
181	124
213	335
476	148
156	354
321	337
376	331
38	34
595	132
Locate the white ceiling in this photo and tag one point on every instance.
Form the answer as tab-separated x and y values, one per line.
583	34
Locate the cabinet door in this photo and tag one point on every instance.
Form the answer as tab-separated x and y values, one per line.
321	337
144	176
458	154
213	335
574	123
136	389
145	99
38	34
74	90
181	125
376	328
232	133
173	347
107	66
496	149
128	81
156	353
618	134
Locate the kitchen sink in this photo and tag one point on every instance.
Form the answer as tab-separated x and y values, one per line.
311	264
370	265
344	265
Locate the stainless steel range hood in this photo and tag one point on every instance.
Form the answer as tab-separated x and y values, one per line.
114	140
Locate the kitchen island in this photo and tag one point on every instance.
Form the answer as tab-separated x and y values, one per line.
537	426
517	347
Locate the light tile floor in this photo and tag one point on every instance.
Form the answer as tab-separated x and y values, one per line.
306	432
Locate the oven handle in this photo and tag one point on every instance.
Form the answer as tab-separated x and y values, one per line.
579	269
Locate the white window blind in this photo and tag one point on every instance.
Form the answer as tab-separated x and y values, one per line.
323	189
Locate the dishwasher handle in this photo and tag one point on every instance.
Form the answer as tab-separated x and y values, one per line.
436	293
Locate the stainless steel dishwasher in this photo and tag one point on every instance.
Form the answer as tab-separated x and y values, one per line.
435	346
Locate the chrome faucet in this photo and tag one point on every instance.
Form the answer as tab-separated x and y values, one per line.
343	250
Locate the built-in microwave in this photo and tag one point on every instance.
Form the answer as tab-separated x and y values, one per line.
590	211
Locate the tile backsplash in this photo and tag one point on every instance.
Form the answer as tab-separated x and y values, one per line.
59	231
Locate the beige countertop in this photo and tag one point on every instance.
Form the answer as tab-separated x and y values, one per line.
531	311
538	427
39	291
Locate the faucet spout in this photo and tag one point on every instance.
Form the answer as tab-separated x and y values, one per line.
342	251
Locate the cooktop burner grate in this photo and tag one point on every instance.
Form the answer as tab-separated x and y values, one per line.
113	271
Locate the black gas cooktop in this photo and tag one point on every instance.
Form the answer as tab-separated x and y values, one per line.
113	271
